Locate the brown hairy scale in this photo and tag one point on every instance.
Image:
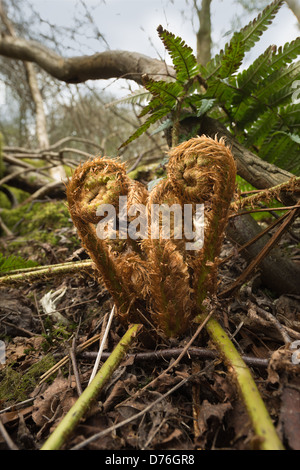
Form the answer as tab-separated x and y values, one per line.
158	276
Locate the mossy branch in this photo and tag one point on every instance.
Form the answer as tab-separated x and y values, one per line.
292	186
33	274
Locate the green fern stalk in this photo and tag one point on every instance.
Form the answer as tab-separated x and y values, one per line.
60	435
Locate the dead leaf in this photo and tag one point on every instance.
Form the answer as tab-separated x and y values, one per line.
281	360
209	412
290	415
58	393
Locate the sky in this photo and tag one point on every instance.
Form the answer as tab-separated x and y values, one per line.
131	25
128	24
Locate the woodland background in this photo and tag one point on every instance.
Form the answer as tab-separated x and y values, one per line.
60	108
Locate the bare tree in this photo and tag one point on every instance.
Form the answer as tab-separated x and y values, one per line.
58	172
204	42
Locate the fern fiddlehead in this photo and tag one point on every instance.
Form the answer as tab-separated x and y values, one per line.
171	282
202	170
94	184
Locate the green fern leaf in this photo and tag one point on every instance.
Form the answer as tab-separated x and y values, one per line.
286	54
241	42
254	30
158	114
291	116
248	79
13	262
224	91
233	57
282	150
260	129
227	62
275	91
184	61
164	94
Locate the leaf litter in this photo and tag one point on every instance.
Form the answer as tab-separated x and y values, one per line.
171	418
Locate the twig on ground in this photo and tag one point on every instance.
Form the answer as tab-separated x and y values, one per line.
10	443
36	273
103	341
173	353
78	410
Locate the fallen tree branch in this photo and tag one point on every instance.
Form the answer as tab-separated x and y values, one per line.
102	65
173	353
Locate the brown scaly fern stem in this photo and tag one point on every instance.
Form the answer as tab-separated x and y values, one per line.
159	274
97	182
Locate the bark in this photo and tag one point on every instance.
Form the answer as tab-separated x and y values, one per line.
103	65
278	273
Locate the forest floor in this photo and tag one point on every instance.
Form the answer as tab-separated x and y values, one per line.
203	412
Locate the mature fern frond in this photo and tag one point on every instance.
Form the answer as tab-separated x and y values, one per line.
240	43
286	54
227	62
254	30
291	116
137	96
258	103
225	91
260	129
184	61
273	92
282	149
248	79
164	93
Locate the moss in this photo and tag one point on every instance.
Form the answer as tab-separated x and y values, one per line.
37	217
16	386
18	193
147	172
36	224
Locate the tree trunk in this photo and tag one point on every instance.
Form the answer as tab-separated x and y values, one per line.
278	273
57	173
204	32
